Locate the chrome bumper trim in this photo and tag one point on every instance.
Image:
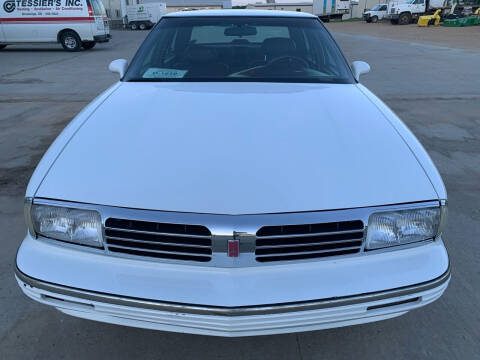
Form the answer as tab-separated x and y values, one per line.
230	311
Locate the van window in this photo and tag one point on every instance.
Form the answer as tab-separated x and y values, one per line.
98	8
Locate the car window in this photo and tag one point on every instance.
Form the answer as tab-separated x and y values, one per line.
98	8
239	48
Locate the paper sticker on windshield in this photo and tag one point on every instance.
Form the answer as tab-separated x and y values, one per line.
159	73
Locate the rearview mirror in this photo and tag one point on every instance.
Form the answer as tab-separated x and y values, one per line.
359	68
118	66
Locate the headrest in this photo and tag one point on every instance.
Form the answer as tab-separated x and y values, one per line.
278	46
198	53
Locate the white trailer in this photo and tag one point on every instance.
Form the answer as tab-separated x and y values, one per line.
144	16
331	9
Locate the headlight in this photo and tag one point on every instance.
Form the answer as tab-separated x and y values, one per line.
66	224
393	228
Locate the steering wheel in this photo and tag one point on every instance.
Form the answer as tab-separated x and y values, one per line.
290	59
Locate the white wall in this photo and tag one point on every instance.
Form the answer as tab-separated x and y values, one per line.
114	9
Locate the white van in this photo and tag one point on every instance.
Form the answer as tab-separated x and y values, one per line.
72	23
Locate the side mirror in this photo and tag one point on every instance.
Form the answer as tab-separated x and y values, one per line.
118	66
359	68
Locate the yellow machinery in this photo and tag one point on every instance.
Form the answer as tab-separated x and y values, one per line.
426	20
477	12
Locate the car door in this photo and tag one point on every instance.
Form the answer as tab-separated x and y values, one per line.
418	6
382	12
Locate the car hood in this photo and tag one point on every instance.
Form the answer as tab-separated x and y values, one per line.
237	148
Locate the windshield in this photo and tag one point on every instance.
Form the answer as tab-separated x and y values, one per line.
376	7
241	48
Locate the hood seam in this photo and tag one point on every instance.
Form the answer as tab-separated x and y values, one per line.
71	137
403	139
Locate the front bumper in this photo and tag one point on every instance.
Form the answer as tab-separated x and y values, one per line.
232	301
236	321
392	16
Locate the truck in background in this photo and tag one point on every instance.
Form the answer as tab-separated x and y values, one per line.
378	12
331	9
144	16
406	12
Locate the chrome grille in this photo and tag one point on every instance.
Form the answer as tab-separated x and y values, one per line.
308	241
260	236
158	240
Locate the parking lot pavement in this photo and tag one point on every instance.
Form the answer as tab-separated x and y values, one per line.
435	89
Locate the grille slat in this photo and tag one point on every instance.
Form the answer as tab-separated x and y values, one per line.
273	241
167	228
310	228
312	252
160	233
309	249
155	250
158	240
303	243
161	255
305	256
307	241
308	235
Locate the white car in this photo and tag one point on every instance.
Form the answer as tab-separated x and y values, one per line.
237	181
378	12
75	24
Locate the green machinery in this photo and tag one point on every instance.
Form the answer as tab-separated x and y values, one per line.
467	20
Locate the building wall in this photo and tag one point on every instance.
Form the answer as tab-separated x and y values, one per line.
113	8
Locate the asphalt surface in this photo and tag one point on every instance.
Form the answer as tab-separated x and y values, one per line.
434	88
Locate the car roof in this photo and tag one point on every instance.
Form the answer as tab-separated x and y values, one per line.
264	13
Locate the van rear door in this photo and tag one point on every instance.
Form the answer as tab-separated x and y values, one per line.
97	10
2	35
343	6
